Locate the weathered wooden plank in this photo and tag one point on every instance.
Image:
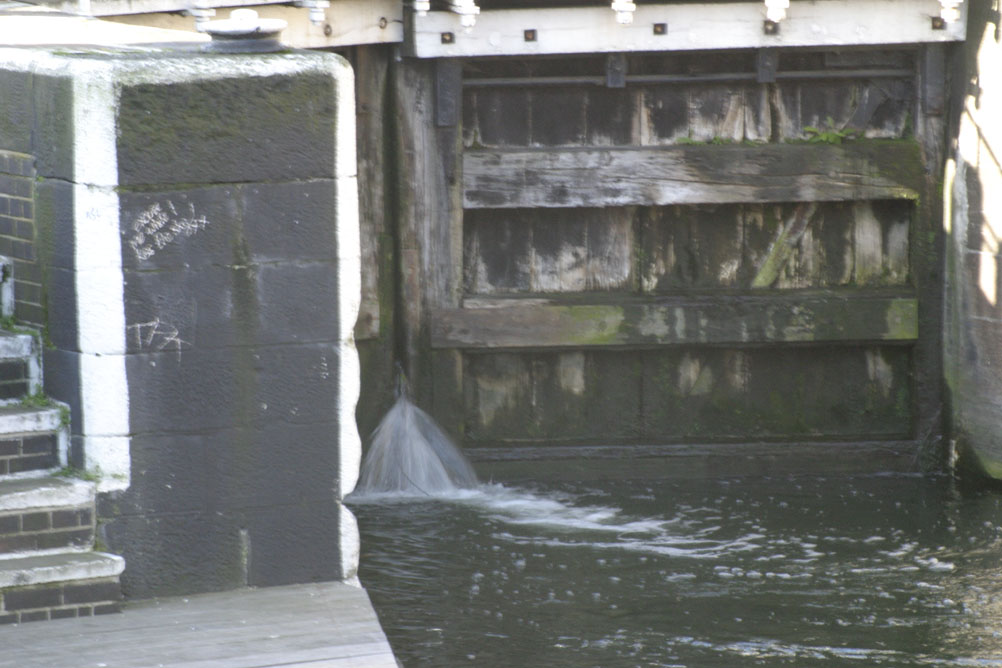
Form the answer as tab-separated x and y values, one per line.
498	253
547	250
430	212
330	624
663	117
691	26
782	248
927	256
374	241
686	394
376	169
864	170
716	113
565	395
346	22
747	319
718	393
652	114
665	462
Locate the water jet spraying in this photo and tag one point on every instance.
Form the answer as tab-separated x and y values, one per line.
410	455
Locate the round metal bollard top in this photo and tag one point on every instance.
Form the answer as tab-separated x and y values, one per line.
244	32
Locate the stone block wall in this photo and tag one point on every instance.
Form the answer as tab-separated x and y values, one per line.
198	260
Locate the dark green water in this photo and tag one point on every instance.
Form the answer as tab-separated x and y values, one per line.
869	571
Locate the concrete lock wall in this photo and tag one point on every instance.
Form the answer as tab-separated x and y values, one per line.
195	251
973	221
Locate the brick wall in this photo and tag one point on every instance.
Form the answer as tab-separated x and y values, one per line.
23	531
28	452
17	233
57	601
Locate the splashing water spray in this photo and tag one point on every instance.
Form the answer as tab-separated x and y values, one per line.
410	455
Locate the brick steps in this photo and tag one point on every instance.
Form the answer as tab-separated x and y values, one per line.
48	566
32	440
46	514
48	569
20	372
54	586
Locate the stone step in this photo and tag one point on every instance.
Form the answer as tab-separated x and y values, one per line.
20	371
44	515
32	439
59	585
16	345
24	419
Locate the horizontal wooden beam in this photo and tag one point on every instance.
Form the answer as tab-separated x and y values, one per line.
519	462
732	320
126	7
678	27
346	22
691	174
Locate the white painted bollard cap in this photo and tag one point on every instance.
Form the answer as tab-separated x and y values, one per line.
245	31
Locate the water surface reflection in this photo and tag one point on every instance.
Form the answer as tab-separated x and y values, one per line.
866	571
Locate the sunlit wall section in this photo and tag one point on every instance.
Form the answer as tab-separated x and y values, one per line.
973	222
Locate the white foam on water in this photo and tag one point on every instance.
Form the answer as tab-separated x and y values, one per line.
565	523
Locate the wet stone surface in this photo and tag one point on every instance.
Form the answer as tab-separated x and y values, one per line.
877	571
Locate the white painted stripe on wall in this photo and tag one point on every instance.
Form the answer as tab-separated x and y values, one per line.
346	162
113	455
349	300
349	297
349	544
104	391
350	443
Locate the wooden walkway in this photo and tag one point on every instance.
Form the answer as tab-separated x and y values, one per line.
329	625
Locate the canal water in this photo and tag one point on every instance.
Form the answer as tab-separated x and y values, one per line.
892	570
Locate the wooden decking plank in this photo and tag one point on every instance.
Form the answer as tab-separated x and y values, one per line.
315	626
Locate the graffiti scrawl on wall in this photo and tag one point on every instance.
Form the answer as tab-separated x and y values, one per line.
158	226
157	336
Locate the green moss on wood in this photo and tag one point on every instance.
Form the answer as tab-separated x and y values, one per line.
902	320
594	325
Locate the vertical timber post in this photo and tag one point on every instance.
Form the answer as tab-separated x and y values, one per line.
431	215
927	257
377	204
